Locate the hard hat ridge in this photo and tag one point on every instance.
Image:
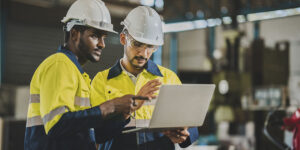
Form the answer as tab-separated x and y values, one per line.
144	25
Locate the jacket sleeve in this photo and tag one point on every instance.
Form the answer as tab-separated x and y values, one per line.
58	87
72	122
110	129
98	89
194	135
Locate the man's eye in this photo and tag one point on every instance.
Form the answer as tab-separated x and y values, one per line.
94	36
137	44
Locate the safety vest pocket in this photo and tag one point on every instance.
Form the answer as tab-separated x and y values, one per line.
111	92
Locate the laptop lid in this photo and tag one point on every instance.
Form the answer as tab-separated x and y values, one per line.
183	105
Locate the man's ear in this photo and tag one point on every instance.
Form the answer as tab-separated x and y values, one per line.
122	38
74	35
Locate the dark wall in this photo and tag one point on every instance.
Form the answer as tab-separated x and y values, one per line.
32	33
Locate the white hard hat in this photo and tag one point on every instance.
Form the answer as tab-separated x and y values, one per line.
144	25
91	13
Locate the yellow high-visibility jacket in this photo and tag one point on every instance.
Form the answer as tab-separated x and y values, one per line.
60	114
115	82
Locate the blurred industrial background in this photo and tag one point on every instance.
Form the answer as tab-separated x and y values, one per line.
249	48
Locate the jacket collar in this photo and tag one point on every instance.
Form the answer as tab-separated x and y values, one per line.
71	56
116	69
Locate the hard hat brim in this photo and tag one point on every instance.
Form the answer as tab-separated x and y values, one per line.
146	41
89	23
104	29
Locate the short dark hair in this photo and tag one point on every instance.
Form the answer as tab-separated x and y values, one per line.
79	28
125	31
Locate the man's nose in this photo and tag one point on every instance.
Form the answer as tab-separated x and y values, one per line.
143	51
101	43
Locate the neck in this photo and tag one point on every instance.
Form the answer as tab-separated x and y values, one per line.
72	48
129	68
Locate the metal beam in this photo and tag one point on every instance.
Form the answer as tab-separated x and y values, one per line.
256	30
173	52
211	31
39	3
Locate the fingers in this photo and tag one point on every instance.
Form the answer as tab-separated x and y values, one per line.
138	104
134	103
154	82
177	136
128	103
153	86
183	132
179	139
123	105
150	88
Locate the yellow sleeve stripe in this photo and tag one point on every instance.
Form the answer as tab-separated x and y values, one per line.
57	111
79	101
37	120
34	121
138	123
51	118
34	98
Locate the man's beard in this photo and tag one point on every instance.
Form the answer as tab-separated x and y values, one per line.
137	58
84	50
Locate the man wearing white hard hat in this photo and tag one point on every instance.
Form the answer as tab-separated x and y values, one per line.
60	112
141	37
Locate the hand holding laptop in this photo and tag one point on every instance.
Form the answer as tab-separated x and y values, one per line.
177	135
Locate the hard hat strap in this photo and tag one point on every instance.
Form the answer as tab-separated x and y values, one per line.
72	23
91	23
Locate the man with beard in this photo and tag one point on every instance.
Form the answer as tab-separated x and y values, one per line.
141	37
60	113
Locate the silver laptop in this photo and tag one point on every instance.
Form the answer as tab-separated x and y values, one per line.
178	106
